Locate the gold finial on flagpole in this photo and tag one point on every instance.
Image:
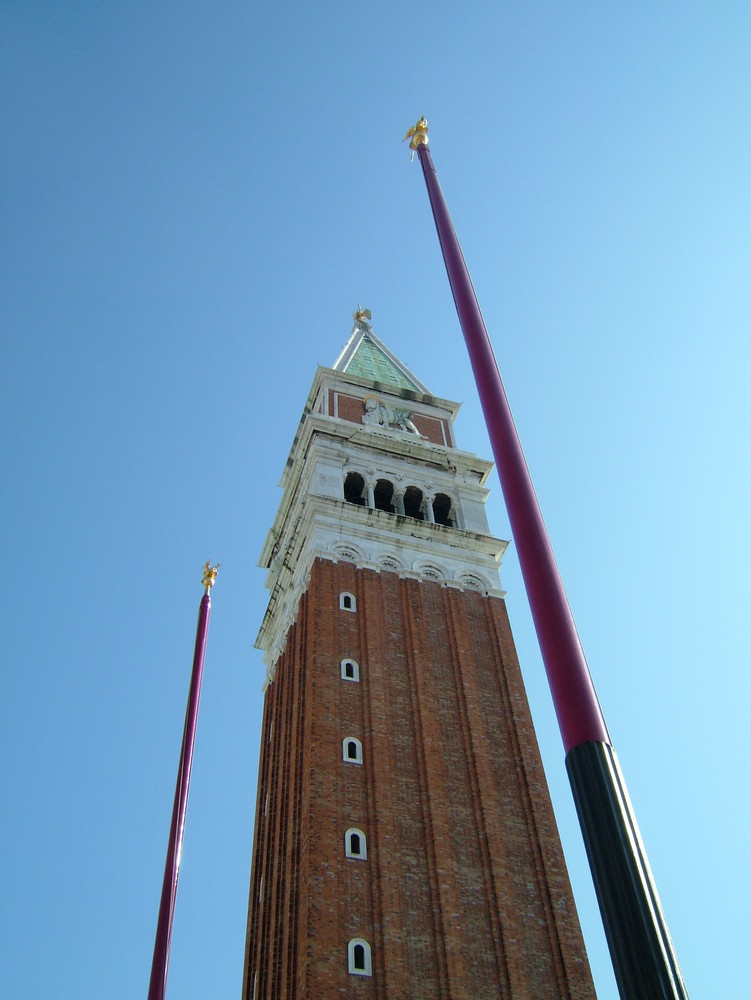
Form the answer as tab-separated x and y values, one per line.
209	575
418	135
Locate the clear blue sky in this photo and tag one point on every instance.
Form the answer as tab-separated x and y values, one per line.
195	198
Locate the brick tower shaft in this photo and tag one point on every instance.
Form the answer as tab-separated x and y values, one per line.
405	844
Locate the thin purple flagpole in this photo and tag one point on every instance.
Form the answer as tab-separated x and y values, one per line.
644	960
576	704
160	961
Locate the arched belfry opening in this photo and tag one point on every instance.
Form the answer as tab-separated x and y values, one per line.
442	510
384	496
354	489
413	503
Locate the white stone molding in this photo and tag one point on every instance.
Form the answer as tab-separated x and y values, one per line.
315	521
430	571
361	853
474	581
348	552
390	563
359	960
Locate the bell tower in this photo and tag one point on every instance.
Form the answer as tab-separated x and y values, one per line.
405	844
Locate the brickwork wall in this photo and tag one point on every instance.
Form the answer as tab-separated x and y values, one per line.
352	408
464	893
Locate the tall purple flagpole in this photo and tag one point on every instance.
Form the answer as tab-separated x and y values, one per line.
160	961
644	961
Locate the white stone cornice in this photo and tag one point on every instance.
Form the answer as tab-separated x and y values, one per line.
371	539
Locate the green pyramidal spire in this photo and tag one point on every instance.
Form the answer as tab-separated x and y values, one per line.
365	355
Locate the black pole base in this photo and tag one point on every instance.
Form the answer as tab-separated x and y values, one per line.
645	964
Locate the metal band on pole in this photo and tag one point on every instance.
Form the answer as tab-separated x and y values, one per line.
160	961
644	960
